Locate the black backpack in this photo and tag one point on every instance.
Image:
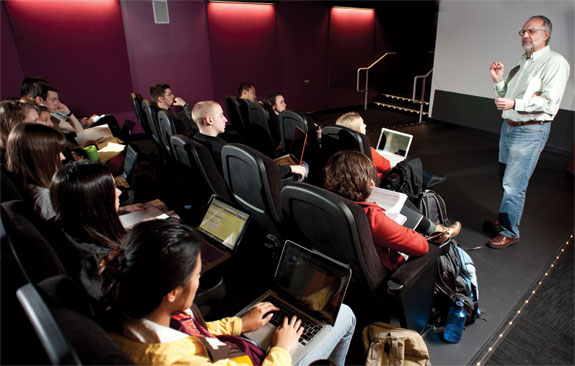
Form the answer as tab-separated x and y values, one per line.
432	206
456	279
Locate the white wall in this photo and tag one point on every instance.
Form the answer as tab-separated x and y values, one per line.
471	34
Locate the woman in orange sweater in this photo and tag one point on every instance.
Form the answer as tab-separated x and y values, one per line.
352	175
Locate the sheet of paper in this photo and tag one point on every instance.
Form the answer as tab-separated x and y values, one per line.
397	217
94	135
390	201
133	218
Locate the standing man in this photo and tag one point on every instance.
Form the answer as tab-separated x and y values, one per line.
529	98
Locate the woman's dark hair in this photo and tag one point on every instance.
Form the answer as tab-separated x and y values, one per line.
349	174
33	151
84	197
270	99
158	256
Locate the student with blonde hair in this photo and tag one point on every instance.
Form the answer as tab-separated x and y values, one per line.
353	121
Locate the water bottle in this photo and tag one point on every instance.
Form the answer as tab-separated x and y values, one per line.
455	323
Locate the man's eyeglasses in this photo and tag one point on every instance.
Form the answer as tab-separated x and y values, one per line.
530	31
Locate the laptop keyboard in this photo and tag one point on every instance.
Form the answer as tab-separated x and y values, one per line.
311	328
285	160
121	181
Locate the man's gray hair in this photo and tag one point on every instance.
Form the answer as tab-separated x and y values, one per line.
547	26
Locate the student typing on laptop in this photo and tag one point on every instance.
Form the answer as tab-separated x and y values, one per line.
353	121
157	276
394	242
211	122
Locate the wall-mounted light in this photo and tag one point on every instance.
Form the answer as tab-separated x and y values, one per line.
356	13
244	10
270	2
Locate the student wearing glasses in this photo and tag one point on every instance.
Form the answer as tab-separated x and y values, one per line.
529	98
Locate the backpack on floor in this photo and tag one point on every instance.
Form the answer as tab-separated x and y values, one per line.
389	345
456	279
432	206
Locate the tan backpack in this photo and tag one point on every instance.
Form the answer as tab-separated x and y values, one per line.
387	345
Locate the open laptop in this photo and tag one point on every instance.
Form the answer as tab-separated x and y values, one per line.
297	148
393	145
223	226
130	160
309	285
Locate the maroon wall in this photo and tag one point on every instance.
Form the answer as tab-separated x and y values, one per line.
243	47
302	55
79	47
11	70
176	53
204	53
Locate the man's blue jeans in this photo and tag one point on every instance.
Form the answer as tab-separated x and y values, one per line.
335	345
519	150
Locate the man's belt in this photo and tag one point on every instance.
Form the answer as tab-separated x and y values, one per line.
515	124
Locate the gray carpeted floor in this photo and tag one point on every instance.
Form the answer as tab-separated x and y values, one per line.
506	277
542	334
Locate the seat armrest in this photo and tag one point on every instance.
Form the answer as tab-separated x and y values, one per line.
408	273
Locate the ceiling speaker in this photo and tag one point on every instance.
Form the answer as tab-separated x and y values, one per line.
161	13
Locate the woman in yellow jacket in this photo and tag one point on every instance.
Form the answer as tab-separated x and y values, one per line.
157	278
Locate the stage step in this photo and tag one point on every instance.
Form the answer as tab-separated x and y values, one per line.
399	103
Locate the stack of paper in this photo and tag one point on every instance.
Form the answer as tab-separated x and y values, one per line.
392	202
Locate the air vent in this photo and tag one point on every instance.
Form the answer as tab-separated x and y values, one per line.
161	13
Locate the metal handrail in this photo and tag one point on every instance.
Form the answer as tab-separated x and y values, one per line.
367	77
422	100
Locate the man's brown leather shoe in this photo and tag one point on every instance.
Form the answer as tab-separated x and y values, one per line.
501	241
492	226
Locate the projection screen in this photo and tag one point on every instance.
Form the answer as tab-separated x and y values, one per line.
470	36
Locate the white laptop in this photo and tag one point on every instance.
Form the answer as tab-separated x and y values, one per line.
393	145
309	285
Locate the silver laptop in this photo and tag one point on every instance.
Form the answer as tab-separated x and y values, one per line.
393	145
223	226
309	285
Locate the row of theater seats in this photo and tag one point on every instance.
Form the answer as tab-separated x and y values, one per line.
321	220
307	213
35	285
258	127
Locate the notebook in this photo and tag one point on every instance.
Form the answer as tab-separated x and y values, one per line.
309	285
297	148
393	145
130	160
223	226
